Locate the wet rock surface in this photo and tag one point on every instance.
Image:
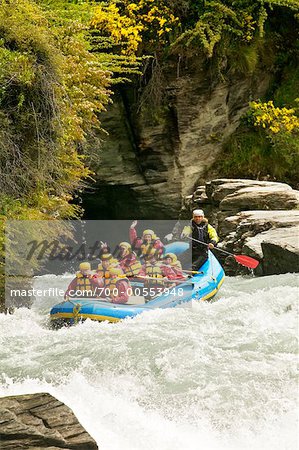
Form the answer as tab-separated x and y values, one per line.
40	421
255	218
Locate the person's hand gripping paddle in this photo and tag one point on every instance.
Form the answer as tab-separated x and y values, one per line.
244	260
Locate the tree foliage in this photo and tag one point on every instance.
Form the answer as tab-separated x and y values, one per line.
213	21
281	128
135	25
265	145
53	87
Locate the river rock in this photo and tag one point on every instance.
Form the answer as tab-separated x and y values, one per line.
269	236
278	247
40	421
256	221
269	197
218	189
281	251
257	218
273	240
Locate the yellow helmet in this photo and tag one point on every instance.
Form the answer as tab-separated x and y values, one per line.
85	266
172	256
125	245
151	232
106	256
116	271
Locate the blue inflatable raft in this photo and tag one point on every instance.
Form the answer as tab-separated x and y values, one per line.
202	286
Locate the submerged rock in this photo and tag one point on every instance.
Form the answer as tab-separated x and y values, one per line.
40	421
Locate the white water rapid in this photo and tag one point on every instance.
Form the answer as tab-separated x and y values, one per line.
219	375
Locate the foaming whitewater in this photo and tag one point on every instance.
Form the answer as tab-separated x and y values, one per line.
219	375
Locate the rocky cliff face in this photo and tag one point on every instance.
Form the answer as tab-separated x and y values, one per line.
164	137
256	218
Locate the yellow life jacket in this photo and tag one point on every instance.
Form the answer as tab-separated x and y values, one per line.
113	262
154	271
103	273
112	284
132	269
177	265
83	283
149	249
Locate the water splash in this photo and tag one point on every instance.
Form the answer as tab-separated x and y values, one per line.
218	375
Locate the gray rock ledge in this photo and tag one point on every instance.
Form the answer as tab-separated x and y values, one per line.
253	217
40	421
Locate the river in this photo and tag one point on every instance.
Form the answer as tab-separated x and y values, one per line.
219	375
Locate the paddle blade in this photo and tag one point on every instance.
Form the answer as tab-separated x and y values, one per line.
246	261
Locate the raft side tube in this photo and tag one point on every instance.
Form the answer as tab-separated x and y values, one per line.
202	286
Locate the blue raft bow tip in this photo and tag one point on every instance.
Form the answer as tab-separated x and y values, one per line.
201	286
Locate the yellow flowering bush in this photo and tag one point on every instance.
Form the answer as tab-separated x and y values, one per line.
129	23
274	119
156	17
249	26
122	29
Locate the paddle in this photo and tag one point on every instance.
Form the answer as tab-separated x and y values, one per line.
165	279
244	260
191	271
